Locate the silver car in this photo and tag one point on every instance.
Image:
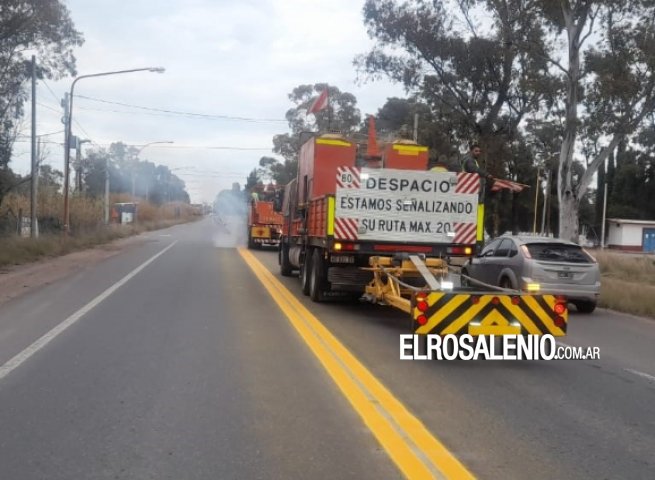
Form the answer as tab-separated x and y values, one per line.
538	264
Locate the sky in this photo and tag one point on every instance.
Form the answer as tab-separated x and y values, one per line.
238	59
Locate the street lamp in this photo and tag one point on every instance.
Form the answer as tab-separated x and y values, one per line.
136	156
69	122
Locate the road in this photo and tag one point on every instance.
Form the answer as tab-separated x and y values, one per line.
189	367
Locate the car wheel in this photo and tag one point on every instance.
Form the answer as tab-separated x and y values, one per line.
585	306
305	271
283	259
506	283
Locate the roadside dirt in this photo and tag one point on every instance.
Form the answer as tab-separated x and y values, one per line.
21	279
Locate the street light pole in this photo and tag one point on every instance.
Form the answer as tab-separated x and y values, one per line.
69	121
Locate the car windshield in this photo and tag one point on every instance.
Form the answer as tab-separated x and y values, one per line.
558	252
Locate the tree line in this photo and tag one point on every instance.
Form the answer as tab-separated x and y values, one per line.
44	27
565	87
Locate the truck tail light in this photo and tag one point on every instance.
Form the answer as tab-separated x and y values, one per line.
559	321
344	247
460	250
422	306
422	319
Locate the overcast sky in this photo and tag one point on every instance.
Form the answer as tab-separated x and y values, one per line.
235	58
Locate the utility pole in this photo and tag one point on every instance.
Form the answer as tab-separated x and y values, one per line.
545	207
67	145
33	229
78	161
106	189
602	229
536	200
416	127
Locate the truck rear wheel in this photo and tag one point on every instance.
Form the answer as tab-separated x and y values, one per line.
305	271
317	277
251	243
283	260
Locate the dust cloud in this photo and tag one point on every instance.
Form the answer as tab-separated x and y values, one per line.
230	219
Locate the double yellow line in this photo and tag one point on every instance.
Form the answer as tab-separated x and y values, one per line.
416	452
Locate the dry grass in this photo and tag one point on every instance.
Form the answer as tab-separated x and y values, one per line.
87	228
628	282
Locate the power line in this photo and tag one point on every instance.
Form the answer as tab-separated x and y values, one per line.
180	112
48	107
54	95
43	134
173	147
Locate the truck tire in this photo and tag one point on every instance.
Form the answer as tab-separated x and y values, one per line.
283	259
251	243
317	277
305	272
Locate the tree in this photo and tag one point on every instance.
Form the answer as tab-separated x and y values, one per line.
155	182
483	78
341	115
45	28
252	180
434	131
271	169
613	77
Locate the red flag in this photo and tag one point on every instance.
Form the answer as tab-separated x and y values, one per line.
320	103
499	184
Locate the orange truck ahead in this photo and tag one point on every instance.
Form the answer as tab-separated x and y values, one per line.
264	224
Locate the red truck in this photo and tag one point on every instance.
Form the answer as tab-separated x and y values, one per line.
383	225
264	223
344	208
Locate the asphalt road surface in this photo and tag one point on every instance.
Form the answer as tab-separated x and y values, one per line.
172	360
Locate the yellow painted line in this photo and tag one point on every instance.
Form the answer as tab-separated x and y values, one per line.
416	452
330	216
409	149
479	236
336	143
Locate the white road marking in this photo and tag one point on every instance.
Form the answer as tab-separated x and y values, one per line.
640	374
23	356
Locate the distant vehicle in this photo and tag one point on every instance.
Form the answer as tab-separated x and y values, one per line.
264	224
542	264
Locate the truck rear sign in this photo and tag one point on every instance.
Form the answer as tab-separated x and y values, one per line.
406	205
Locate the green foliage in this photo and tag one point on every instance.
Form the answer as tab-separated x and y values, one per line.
155	182
341	115
483	79
43	27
